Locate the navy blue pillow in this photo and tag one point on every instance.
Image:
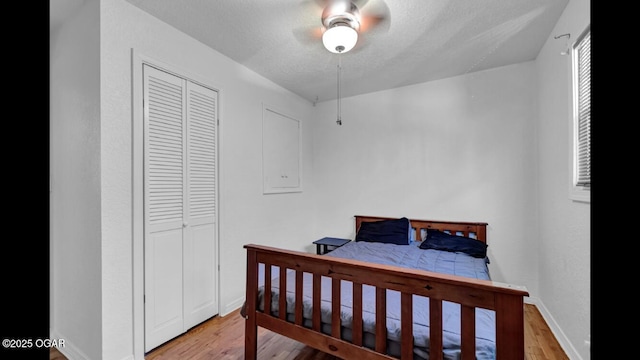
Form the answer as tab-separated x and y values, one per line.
395	231
439	240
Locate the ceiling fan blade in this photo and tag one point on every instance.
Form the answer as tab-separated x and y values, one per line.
368	23
375	14
359	47
307	28
360	3
308	35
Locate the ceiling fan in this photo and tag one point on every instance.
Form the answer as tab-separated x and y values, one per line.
344	20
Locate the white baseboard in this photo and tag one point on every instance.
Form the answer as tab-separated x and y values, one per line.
69	350
232	306
564	342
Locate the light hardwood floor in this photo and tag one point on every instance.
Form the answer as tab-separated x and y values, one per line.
222	338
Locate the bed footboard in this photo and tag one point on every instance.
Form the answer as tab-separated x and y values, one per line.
506	300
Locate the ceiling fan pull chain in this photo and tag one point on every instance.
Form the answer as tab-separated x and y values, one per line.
339	120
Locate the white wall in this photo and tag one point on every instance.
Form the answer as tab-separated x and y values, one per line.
75	199
461	148
565	236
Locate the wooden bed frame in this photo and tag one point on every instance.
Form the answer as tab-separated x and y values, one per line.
506	300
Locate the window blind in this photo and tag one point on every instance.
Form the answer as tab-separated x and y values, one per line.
582	51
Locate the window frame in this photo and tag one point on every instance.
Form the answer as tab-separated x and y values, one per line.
580	193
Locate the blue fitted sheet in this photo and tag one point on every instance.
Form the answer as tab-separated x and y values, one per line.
409	256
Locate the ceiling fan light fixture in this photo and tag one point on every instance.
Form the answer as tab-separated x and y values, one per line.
340	38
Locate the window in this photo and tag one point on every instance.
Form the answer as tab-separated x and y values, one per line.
581	64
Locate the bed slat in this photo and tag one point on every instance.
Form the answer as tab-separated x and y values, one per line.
468	332
381	320
357	315
316	313
282	309
267	285
335	308
435	329
298	305
406	326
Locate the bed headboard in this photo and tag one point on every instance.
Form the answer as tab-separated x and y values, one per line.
477	230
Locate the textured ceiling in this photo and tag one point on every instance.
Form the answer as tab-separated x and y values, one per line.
419	40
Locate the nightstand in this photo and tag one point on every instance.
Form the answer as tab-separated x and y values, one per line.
327	244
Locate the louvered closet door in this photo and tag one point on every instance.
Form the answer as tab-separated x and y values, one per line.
164	129
201	300
180	205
